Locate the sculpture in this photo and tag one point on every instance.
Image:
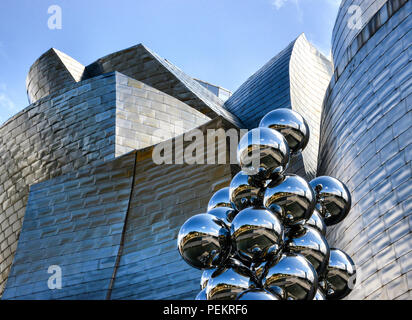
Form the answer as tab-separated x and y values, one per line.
263	237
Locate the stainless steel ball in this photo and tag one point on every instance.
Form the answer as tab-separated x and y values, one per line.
245	191
262	151
293	275
204	241
257	294
205	277
223	213
291	125
260	268
220	199
256	233
228	283
311	244
333	197
340	275
319	295
295	198
316	221
201	295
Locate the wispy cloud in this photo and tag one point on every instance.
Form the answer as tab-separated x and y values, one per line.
278	4
6	104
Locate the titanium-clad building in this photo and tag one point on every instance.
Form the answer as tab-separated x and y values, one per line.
79	188
91	204
296	78
366	141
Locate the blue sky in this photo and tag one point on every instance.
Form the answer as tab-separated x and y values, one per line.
219	41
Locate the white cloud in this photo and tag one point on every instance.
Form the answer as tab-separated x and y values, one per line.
279	3
6	104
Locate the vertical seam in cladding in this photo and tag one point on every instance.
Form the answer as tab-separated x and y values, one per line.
372	30
122	240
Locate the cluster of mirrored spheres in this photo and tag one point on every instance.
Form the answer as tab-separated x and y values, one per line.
263	238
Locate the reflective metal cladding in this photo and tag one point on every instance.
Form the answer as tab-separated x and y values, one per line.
100	191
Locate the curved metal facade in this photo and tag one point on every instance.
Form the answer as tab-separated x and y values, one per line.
140	63
112	229
137	115
85	123
296	78
52	72
352	16
309	74
366	142
77	163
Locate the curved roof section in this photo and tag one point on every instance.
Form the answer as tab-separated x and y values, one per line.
54	70
343	34
309	73
142	64
264	91
296	78
270	87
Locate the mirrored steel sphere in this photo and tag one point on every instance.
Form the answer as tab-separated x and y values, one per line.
322	283
319	295
201	295
334	199
262	151
228	283
205	277
340	275
223	213
256	233
220	199
291	125
245	191
294	196
239	263
257	294
292	274
311	244
204	241
260	268
234	255
316	221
